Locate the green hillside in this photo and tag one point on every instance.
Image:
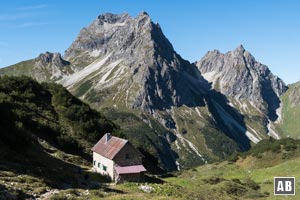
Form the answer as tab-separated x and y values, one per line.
19	69
249	177
289	124
46	135
30	111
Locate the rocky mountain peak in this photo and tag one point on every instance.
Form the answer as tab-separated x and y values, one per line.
143	18
241	54
240	49
140	45
119	34
238	75
144	13
51	58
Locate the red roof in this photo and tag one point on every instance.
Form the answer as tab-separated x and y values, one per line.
130	169
110	148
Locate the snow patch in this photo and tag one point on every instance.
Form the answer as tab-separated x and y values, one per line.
191	145
279	113
198	112
108	26
56	73
178	165
177	145
254	131
107	71
244	106
254	139
232	123
181	139
254	106
231	104
95	53
80	75
210	76
227	118
271	132
185	141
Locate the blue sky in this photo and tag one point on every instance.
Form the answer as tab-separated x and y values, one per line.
269	29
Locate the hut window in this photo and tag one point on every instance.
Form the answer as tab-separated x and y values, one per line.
127	156
94	162
99	165
104	168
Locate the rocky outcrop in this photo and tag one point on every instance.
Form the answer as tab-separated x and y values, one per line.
46	67
51	58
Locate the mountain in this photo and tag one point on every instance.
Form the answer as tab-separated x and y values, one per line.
134	54
131	67
126	68
250	86
238	75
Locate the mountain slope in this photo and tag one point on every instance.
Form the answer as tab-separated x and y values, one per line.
49	112
289	111
46	136
46	67
249	85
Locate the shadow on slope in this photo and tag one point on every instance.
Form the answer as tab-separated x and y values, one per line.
34	171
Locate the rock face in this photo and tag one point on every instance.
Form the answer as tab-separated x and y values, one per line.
238	75
135	48
51	58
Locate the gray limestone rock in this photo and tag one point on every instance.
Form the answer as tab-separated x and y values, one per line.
238	75
165	78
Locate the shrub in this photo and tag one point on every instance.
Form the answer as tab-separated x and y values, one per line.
251	184
235	189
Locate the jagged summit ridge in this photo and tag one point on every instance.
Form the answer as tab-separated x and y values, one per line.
238	75
119	34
